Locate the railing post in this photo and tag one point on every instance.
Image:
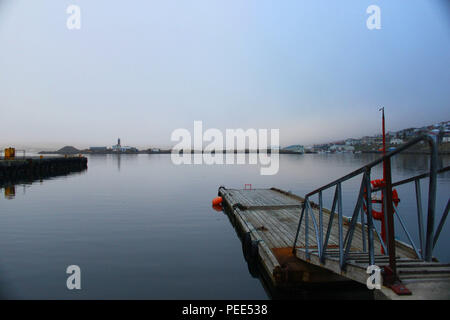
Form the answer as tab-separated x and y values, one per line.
351	228
316	230
403	225
441	224
431	200
306	229
299	226
363	230
319	245
420	217
330	225
389	211
341	232
369	218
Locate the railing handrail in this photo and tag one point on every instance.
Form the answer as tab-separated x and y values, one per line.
418	177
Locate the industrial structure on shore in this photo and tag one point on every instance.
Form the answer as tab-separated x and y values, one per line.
117	148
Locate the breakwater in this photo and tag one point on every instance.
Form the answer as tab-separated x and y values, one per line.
36	168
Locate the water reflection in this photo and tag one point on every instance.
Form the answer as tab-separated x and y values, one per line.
10	192
9	186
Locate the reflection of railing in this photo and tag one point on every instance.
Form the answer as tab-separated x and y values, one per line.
364	204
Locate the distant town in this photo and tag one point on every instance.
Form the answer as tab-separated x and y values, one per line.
367	144
393	140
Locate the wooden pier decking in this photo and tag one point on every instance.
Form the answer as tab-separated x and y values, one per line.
268	219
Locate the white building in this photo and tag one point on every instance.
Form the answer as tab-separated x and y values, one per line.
352	142
396	141
118	148
342	148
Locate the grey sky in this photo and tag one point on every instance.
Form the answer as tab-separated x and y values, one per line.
140	69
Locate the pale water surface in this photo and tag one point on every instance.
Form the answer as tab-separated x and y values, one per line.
142	228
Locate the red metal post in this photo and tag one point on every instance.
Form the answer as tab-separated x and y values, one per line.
384	143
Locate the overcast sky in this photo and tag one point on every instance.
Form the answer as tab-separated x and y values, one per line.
140	69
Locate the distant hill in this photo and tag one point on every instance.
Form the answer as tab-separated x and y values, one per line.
68	150
63	150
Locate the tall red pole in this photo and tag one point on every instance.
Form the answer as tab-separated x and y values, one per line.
384	143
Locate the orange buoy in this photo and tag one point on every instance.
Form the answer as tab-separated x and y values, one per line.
217	201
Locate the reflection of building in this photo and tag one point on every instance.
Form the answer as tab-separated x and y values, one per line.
118	162
118	148
295	148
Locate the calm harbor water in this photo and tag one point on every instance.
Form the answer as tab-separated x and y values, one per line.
140	227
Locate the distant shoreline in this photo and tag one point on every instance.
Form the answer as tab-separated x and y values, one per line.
224	151
167	152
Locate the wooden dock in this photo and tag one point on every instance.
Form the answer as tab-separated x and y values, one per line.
267	221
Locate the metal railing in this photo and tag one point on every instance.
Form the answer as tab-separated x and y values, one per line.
427	238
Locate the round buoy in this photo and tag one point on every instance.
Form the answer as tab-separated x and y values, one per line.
217	201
